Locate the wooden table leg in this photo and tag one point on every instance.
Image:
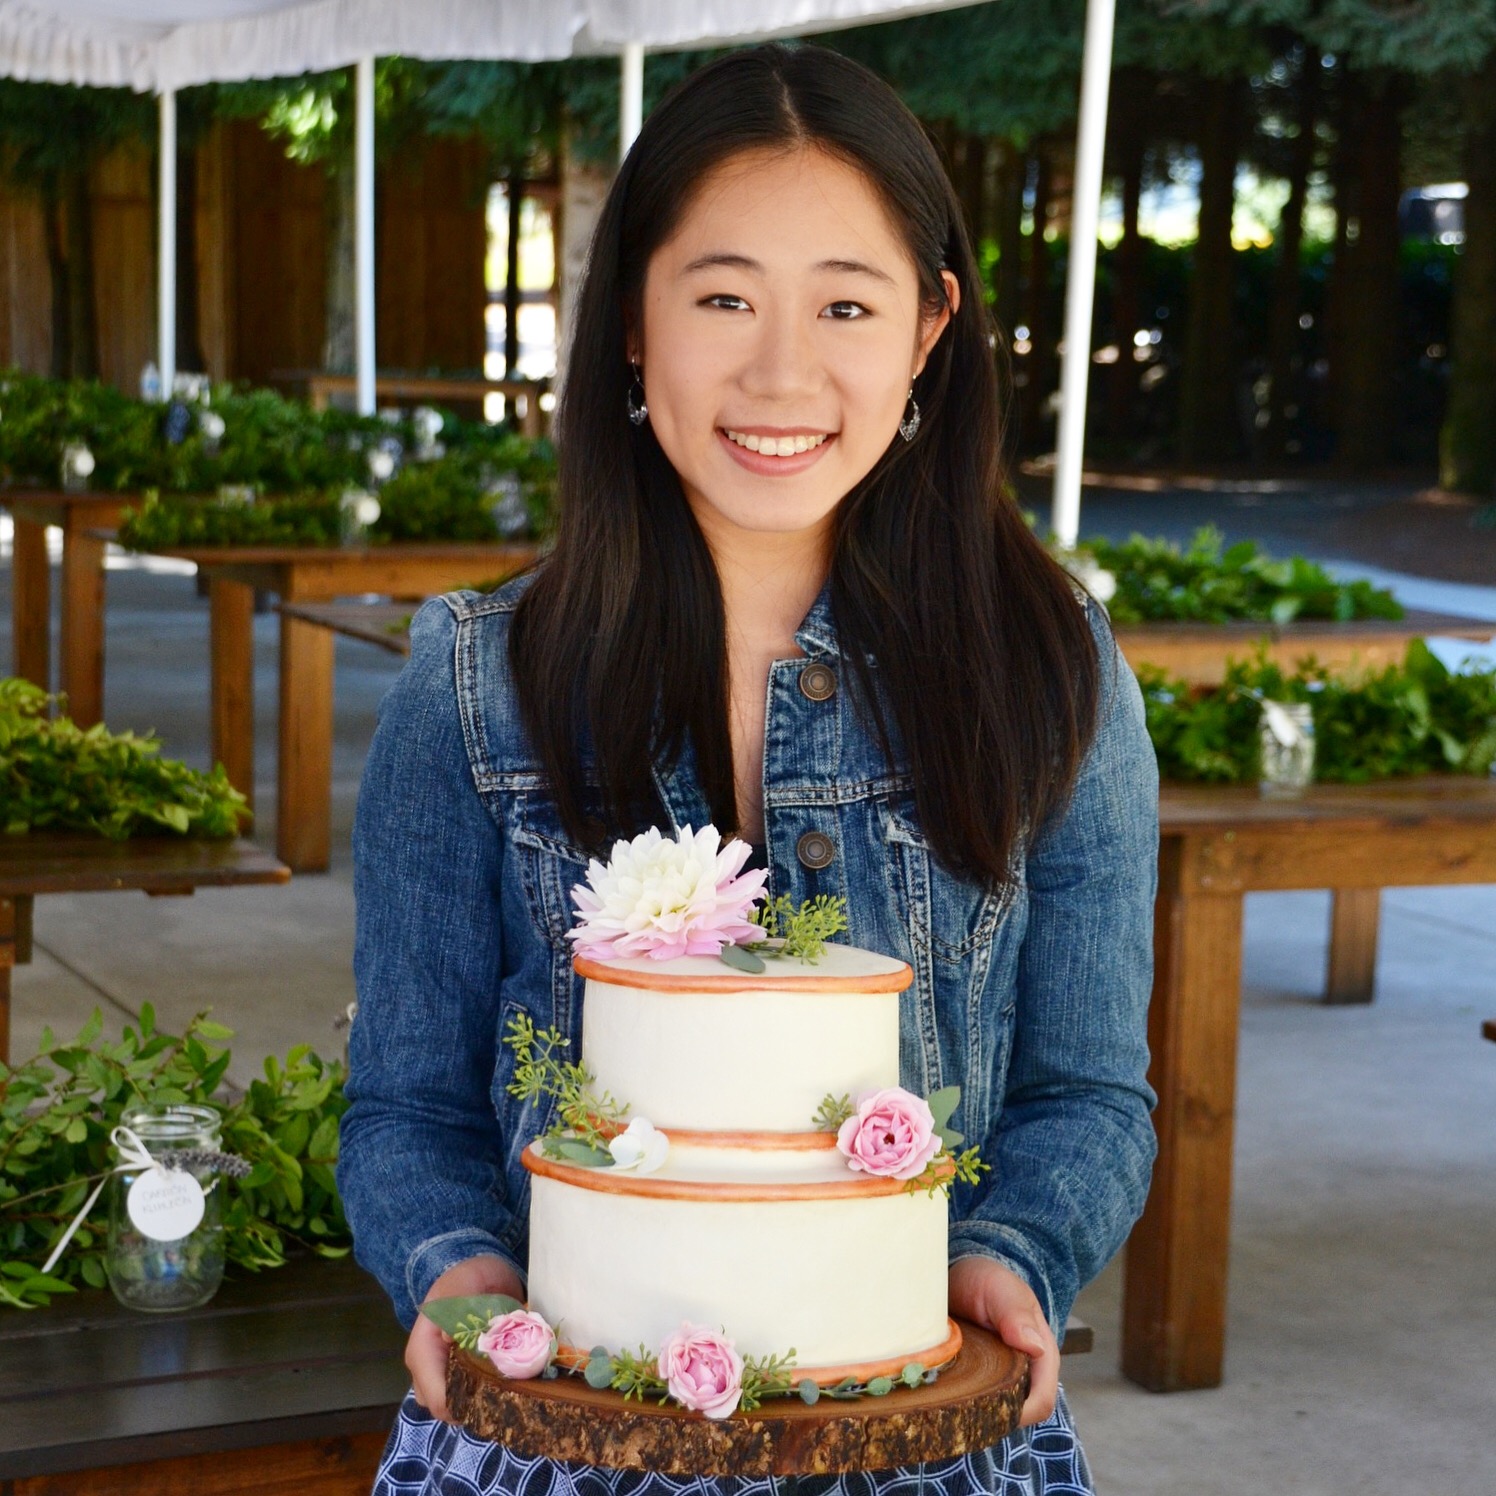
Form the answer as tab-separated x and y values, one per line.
1354	915
81	668
303	826
31	603
231	611
1174	1288
15	949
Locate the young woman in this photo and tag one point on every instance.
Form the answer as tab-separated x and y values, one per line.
788	597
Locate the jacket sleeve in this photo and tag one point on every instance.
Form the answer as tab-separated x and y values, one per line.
421	1158
1072	1151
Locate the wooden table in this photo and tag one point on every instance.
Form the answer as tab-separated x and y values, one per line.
321	387
303	574
80	516
285	1384
46	862
384	625
1198	652
1215	846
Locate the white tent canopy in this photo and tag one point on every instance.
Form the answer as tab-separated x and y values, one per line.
160	46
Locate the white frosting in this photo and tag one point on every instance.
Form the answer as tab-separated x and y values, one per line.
839	1281
843	1280
762	1059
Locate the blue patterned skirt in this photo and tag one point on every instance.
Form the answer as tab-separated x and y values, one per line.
426	1457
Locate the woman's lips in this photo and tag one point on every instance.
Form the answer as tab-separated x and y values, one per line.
767	460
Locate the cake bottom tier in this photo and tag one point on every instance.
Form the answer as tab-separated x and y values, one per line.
840	1282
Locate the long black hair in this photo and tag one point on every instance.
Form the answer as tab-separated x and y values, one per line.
986	669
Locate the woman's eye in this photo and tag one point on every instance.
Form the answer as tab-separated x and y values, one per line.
726	303
845	311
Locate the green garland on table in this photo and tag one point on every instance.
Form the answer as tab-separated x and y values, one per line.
1157	581
57	775
1413	718
56	1114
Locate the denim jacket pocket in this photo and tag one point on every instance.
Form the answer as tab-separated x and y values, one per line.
948	917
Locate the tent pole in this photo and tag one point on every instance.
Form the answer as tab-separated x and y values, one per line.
631	97
363	232
166	247
1080	280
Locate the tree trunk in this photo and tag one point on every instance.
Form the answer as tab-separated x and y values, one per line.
1127	292
1468	441
1339	290
971	184
1207	412
58	275
82	313
189	335
515	196
1012	166
1036	365
339	345
1283	330
1369	344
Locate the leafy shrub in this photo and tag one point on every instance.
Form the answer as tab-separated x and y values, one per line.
1413	718
56	1114
55	774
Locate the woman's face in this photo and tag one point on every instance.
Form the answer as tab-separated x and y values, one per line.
781	330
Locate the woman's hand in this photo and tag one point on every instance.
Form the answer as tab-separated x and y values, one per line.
426	1350
991	1295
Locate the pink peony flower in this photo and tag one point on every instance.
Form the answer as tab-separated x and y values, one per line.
892	1133
520	1344
662	897
703	1370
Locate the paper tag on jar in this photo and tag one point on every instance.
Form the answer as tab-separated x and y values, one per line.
165	1204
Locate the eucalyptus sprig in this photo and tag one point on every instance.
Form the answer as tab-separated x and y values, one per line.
58	1108
802	932
766	1376
586	1120
832	1112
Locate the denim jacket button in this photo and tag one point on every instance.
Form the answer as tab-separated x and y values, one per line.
818	682
815	849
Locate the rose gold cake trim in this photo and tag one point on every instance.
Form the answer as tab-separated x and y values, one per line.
732	981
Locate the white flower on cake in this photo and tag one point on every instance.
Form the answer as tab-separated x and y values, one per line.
662	897
641	1146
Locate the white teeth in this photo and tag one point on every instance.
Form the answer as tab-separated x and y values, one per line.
775	446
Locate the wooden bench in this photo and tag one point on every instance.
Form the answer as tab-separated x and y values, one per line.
285	1384
48	862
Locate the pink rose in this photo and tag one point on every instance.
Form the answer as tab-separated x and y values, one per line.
892	1133
703	1370
520	1344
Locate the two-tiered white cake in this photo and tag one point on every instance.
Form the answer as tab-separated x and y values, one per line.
755	1224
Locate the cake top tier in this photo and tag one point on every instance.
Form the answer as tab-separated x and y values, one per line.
839	968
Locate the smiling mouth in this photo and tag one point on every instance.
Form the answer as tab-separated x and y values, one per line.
776	446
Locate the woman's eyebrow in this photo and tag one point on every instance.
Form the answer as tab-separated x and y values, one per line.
727	260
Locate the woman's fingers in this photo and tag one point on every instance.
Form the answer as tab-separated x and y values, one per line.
426	1361
1031	1335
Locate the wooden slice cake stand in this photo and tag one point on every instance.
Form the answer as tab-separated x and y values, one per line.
974	1404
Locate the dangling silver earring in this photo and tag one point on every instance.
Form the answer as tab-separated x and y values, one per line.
910	424
638	411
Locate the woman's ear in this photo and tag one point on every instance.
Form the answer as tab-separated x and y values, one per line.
933	325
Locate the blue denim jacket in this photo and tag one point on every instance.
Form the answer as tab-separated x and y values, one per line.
1033	1000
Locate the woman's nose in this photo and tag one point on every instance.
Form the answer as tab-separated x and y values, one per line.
784	363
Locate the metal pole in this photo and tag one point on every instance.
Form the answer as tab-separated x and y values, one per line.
166	249
631	101
1080	280
363	232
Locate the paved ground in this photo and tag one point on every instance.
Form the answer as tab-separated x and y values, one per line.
1362	1298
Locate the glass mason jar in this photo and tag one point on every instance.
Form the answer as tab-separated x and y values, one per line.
1287	735
181	1272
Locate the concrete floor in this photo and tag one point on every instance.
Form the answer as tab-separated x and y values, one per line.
1362	1335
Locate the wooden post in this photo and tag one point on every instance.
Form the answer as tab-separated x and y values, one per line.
1174	1293
31	603
303	827
1354	917
81	667
231	611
